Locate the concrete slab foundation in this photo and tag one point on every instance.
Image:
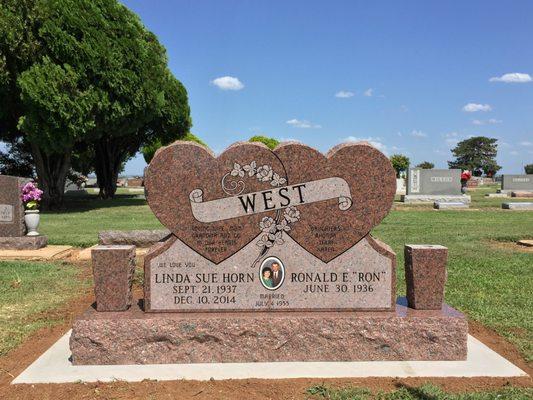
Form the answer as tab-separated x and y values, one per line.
46	253
431	198
136	337
54	367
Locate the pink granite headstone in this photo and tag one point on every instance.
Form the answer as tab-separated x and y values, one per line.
262	230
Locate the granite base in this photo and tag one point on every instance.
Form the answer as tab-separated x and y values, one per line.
139	238
23	242
445	205
135	337
518	206
432	198
522	193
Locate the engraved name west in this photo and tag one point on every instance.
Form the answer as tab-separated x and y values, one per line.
272	199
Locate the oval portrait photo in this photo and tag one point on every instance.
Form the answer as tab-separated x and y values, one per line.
272	273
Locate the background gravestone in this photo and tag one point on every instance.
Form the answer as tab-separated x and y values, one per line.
517	182
434	181
11	207
430	185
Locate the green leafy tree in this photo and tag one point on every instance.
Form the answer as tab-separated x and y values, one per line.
426	165
477	154
400	163
528	169
16	160
271	143
91	78
149	150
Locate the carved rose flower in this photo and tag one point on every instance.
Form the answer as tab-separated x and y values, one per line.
237	170
291	214
251	169
267	223
277	180
264	173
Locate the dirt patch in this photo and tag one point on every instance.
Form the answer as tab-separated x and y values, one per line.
513	246
250	389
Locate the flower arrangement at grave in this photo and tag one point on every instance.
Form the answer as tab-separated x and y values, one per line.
31	195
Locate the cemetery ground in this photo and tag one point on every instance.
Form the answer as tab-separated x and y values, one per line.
490	278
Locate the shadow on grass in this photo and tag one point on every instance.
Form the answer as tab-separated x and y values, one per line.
81	203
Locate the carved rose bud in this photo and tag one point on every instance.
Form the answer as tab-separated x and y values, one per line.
291	214
264	173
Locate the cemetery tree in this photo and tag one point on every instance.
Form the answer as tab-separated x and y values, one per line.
160	115
400	163
16	160
477	154
426	165
528	169
271	143
94	78
149	150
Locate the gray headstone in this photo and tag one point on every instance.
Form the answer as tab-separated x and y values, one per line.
11	207
517	182
434	181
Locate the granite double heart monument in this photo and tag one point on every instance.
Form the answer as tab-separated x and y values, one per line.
270	258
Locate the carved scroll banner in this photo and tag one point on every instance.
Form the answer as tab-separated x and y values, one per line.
268	200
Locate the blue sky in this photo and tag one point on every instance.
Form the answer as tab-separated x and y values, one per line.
405	75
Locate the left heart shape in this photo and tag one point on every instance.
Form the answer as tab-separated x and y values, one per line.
182	168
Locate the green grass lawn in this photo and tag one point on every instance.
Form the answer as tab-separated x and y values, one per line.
28	290
425	392
489	282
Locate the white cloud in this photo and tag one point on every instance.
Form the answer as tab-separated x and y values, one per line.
474	107
344	94
419	134
526	143
514	77
374	141
451	138
491	121
228	83
369	92
289	139
302	123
